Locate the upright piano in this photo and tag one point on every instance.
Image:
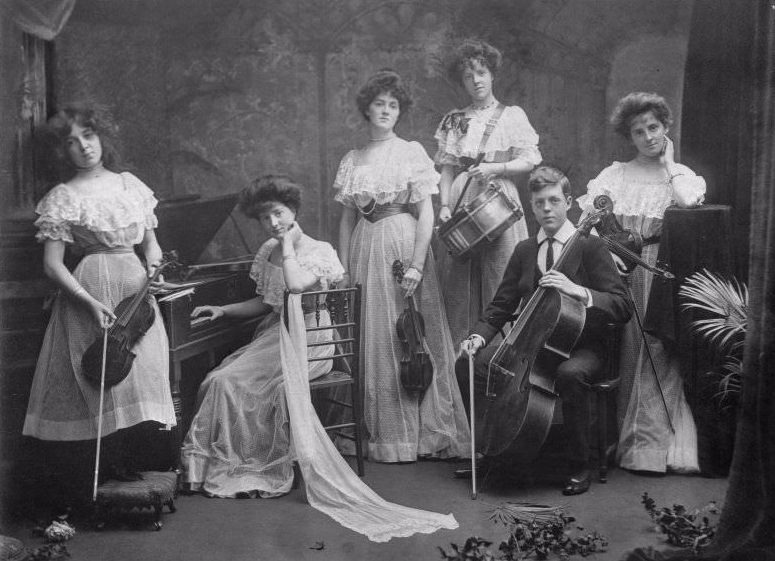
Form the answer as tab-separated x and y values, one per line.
187	225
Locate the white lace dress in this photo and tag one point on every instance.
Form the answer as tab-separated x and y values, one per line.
63	405
645	441
239	439
469	284
401	427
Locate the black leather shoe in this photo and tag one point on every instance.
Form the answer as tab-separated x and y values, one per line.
577	484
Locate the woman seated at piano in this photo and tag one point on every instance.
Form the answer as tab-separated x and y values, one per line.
641	189
100	213
385	188
238	444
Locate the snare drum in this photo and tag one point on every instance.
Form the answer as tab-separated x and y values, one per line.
481	220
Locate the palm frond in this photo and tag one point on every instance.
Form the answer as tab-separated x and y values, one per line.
725	300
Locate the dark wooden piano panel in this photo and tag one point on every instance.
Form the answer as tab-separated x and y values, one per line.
197	346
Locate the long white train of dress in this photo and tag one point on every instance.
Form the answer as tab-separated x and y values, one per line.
331	485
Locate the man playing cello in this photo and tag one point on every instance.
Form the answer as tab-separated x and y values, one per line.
588	276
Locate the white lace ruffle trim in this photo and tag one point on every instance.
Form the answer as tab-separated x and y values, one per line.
64	207
406	166
635	196
317	257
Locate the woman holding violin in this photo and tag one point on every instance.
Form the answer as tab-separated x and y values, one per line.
493	144
385	188
657	429
102	215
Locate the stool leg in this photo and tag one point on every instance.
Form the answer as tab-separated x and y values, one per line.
157	524
602	436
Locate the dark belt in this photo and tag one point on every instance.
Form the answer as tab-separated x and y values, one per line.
378	212
99	249
651	240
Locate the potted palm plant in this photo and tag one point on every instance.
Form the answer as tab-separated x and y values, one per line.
722	307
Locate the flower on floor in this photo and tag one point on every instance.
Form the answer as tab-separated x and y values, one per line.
59	531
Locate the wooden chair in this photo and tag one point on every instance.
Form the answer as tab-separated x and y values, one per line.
344	307
604	391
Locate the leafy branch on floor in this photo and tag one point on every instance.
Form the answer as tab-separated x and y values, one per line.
537	531
683	528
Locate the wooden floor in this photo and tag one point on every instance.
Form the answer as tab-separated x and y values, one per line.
289	529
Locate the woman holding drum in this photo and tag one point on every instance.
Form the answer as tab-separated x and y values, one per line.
491	144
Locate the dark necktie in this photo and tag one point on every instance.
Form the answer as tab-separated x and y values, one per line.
549	253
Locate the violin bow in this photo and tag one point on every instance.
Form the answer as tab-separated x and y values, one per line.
99	414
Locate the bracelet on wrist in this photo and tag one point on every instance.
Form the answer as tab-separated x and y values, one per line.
416	268
288	257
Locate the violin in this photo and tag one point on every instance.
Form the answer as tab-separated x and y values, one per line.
134	316
521	374
625	244
416	365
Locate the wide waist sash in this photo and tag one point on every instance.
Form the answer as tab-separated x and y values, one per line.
378	212
102	249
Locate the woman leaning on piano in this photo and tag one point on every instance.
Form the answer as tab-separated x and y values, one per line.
641	190
238	444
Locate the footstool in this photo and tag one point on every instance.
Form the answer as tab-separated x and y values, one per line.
155	490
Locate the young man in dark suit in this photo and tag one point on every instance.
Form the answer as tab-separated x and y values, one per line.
589	276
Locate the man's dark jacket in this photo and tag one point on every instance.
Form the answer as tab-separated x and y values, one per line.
590	265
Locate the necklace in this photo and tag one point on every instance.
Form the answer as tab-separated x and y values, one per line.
383	139
484	107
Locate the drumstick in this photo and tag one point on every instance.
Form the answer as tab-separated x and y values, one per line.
471	410
99	418
478	161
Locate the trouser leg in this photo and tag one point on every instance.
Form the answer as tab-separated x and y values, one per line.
572	383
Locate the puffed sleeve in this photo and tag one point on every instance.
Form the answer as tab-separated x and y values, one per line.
604	184
260	263
688	187
57	211
423	178
343	183
521	137
448	134
324	263
145	197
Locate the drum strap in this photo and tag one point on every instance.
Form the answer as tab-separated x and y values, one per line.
488	128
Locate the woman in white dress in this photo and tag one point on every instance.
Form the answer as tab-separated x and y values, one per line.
385	188
238	443
641	190
510	151
101	215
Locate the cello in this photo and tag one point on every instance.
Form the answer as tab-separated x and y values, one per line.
416	365
521	374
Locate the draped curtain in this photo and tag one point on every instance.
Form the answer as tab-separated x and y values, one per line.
739	159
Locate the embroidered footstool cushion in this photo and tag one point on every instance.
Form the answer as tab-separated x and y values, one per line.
155	490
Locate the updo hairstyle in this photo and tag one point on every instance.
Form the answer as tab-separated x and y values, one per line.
268	189
637	103
471	50
384	81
